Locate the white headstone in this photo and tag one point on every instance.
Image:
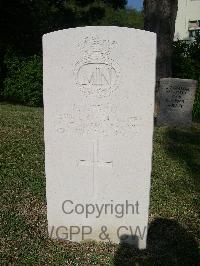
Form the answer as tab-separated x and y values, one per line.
98	114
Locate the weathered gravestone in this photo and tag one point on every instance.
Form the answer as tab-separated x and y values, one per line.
98	114
176	101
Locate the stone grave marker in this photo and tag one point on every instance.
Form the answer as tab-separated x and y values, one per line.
98	117
176	101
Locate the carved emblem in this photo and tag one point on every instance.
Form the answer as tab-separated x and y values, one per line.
96	73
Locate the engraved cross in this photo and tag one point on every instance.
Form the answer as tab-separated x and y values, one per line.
95	161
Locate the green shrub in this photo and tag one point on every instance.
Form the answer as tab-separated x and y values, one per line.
124	18
186	64
23	83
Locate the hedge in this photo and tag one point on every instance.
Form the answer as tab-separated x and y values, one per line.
23	83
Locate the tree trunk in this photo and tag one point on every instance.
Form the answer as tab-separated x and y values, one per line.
160	16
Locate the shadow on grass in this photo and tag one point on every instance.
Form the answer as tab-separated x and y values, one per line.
184	145
167	244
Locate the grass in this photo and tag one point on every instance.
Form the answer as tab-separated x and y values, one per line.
173	237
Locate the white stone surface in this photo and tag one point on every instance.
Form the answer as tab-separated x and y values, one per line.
98	115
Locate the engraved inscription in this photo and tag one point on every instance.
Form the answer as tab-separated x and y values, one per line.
176	98
96	74
104	119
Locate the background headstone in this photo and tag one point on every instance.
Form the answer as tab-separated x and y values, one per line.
98	115
176	101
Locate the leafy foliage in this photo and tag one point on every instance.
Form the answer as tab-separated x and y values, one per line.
123	18
186	64
24	79
22	24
